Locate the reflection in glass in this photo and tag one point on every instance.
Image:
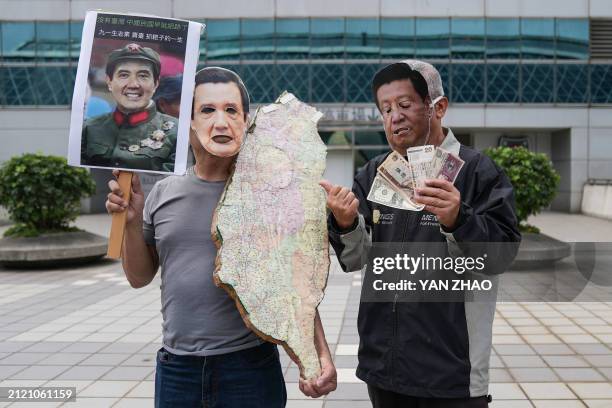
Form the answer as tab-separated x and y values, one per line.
538	38
17	87
467	38
327	83
327	38
292	38
337	138
202	40
601	83
76	31
362	156
293	78
53	85
572	38
223	39
18	42
260	80
257	39
432	37
503	38
467	83
52	41
362	38
358	79
397	37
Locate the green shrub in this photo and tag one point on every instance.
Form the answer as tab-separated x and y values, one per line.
42	193
533	177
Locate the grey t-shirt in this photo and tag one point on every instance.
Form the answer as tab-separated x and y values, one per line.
198	317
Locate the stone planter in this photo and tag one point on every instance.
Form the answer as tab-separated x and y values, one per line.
49	250
539	251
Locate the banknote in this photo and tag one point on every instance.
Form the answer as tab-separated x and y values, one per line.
383	192
396	171
420	161
446	165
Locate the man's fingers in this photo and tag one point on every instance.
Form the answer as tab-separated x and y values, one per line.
116	173
431	201
307	389
343	193
354	205
115	199
440	183
434	192
113	208
327	186
114	187
136	186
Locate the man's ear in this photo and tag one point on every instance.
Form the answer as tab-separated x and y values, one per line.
441	107
108	83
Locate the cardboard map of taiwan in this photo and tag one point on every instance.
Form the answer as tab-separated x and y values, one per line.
271	231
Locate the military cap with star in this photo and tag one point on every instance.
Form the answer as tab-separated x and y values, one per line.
133	51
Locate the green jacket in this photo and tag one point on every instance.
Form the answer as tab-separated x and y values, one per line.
149	143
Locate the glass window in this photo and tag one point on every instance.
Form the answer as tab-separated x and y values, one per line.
502	83
293	78
76	31
362	38
53	85
467	84
358	80
572	38
397	37
52	41
223	39
257	39
18	41
537	83
503	38
17	85
260	81
327	83
537	38
601	83
292	38
432	37
327	38
467	38
571	83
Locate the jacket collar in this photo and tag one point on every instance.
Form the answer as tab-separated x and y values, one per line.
450	143
134	118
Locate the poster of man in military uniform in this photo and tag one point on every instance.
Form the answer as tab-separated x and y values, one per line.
125	63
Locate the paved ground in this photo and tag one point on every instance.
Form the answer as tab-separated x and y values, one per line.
85	327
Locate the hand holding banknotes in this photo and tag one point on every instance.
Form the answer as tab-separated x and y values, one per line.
342	203
440	198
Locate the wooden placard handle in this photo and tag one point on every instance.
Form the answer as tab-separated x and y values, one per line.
117	232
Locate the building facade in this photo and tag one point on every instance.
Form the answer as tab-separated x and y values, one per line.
532	73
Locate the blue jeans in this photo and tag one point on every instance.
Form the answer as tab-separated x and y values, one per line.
250	378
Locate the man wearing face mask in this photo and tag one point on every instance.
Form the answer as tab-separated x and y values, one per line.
135	135
209	357
423	354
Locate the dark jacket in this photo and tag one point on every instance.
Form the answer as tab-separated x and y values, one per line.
429	349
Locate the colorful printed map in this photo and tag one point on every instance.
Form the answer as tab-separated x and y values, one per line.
270	226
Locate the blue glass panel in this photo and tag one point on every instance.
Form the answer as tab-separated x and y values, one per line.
293	78
370	138
257	39
359	80
292	38
223	39
397	37
502	83
573	38
327	38
260	81
52	41
467	84
467	38
53	85
443	69
432	37
18	41
17	85
538	38
362	38
537	83
572	83
76	31
503	38
202	56
327	83
601	83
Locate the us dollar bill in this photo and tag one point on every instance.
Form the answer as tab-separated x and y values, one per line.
385	193
446	165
